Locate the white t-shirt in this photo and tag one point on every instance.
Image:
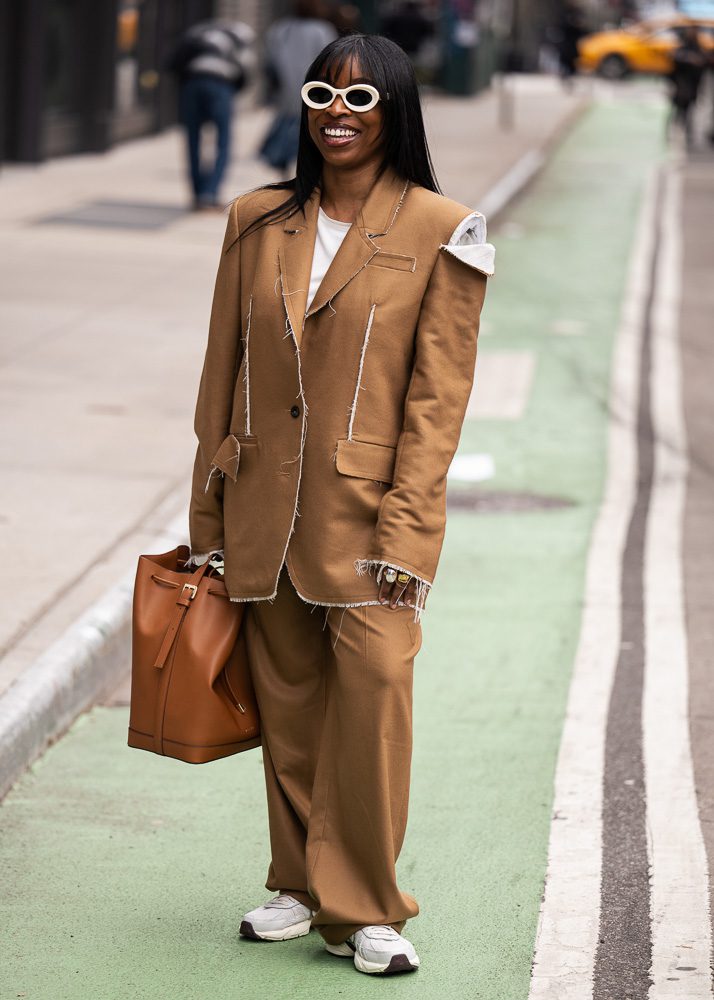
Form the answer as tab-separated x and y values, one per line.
330	234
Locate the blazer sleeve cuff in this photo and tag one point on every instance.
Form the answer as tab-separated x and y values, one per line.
378	566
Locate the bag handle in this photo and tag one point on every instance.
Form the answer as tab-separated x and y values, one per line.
183	603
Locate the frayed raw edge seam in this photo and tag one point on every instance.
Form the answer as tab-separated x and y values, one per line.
396	213
212	471
311	311
246	377
483	267
423	587
306	600
252	600
334	604
353	408
316	604
303	433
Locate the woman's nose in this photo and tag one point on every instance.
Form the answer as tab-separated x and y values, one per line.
338	107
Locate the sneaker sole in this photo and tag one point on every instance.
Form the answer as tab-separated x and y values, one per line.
397	963
285	934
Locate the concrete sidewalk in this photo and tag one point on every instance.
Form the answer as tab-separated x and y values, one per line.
104	311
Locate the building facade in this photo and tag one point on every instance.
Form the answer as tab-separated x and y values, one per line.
80	75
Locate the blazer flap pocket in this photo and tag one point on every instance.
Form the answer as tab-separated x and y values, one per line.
227	458
397	261
366	460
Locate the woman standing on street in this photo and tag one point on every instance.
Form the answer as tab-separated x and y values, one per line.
339	364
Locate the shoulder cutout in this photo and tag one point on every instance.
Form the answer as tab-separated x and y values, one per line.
468	244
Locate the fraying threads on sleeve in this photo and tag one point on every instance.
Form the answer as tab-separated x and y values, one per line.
363	566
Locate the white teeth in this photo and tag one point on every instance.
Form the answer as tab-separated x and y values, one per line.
340	133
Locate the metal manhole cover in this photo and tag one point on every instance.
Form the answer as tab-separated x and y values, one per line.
501	501
117	215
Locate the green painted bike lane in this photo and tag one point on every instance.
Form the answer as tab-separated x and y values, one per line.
124	875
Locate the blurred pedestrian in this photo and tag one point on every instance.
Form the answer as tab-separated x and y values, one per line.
354	289
689	61
570	30
213	61
291	44
347	18
408	26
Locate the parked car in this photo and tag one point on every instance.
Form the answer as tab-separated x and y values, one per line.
646	47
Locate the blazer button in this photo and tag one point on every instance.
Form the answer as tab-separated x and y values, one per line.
295	411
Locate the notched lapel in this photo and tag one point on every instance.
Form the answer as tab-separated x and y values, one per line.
357	249
354	252
375	219
294	279
295	257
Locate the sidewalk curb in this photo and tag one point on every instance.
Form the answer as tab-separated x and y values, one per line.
85	663
524	171
89	659
66	678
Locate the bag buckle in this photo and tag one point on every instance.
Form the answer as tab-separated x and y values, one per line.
192	588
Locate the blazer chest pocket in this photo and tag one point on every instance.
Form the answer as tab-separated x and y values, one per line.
227	458
394	261
366	460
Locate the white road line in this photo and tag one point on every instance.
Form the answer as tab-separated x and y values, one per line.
512	183
681	926
472	467
567	937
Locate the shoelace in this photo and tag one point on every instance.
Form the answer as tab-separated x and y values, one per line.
281	902
380	931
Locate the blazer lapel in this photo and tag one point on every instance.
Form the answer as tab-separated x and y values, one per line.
354	252
374	219
295	255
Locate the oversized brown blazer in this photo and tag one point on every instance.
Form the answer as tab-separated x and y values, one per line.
324	439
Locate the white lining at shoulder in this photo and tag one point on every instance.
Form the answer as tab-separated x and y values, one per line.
472	229
468	244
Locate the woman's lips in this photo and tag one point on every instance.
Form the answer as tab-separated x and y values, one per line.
338	135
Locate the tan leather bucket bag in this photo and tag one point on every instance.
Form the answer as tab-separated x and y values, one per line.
191	691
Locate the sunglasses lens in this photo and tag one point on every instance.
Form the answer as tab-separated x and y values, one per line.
319	95
359	98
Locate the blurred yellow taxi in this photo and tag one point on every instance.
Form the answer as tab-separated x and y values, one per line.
646	47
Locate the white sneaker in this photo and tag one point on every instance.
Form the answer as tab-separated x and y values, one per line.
280	919
378	948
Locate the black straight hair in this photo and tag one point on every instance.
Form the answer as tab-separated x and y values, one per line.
406	149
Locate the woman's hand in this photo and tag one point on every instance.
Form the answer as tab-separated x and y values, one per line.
403	588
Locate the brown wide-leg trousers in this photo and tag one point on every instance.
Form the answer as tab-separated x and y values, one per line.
334	688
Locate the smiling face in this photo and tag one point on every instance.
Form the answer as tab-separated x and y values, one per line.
348	139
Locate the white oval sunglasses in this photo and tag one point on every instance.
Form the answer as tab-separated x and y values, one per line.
357	97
